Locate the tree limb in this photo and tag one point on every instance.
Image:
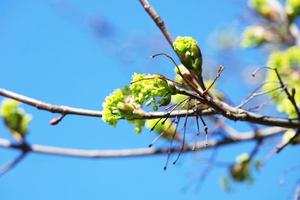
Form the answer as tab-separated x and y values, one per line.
158	21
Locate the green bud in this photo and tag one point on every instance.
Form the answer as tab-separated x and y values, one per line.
15	118
189	53
126	108
164	101
263	8
292	8
240	171
155	107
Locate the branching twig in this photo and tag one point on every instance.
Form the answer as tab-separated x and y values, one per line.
233	113
255	93
290	96
281	146
160	24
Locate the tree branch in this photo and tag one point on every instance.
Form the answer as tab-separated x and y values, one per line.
49	107
158	21
220	106
59	151
224	109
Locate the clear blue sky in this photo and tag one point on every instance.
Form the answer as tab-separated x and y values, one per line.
75	53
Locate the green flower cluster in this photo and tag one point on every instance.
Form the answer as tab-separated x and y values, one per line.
254	36
151	89
127	103
114	107
119	105
189	53
288	65
262	7
292	8
240	171
15	118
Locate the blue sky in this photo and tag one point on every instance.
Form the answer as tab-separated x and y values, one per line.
75	53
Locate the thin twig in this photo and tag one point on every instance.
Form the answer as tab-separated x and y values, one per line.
49	107
255	93
177	120
184	135
281	146
10	165
220	70
290	96
69	152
